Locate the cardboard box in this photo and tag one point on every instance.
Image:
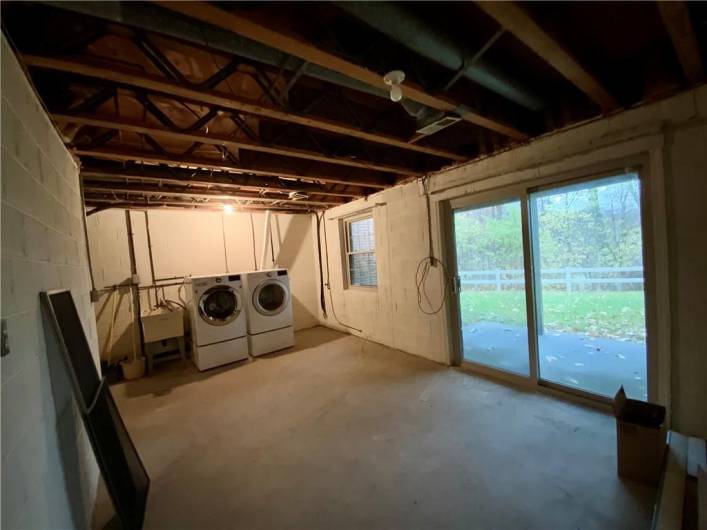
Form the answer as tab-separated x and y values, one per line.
640	438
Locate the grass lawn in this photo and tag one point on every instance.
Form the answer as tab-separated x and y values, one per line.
610	314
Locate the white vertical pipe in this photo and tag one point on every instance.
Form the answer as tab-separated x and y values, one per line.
266	240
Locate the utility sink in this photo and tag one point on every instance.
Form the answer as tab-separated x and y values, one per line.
161	323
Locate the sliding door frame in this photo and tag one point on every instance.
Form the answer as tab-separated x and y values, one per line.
657	322
481	200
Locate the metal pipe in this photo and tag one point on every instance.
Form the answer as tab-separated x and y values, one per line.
394	20
200	194
166	204
147	17
134	301
266	239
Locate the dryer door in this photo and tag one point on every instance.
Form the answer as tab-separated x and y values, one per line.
220	305
271	297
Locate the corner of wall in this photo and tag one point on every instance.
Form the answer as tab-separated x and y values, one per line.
49	474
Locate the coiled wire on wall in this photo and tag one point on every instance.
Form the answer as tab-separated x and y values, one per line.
322	284
426	263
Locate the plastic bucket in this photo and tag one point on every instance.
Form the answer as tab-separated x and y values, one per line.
133	369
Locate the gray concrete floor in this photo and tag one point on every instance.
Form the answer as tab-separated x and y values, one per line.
342	433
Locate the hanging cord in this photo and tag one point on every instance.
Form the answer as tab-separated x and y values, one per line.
112	327
135	323
322	298
252	235
169	303
328	284
223	234
272	248
425	264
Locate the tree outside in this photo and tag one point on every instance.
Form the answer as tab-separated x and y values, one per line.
589	294
596	227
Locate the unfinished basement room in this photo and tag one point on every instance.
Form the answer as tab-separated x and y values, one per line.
362	265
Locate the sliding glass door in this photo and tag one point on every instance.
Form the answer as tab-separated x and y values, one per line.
489	249
591	322
551	285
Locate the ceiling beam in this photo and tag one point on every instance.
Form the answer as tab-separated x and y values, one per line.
110	122
297	47
677	21
160	175
517	21
131	155
133	189
159	84
172	204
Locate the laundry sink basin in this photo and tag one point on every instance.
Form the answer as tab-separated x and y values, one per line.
161	323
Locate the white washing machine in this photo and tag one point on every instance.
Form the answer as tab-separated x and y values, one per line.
269	309
218	320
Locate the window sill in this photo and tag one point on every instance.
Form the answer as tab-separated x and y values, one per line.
363	288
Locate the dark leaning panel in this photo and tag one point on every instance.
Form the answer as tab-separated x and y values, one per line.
124	473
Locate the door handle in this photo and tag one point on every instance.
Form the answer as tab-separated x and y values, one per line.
456	284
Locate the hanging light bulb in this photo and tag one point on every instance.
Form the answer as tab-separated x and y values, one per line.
394	79
396	93
228	209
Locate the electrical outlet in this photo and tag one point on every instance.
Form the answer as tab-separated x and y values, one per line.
5	349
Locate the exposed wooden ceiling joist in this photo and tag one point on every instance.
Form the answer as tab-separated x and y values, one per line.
130	155
109	122
171	191
518	22
241	25
677	21
112	202
160	175
211	97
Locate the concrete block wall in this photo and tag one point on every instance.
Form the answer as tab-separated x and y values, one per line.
49	474
389	314
189	243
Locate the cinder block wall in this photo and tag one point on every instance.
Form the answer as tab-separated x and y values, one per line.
190	243
389	314
49	474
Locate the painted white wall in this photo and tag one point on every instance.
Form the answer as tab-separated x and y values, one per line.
191	243
675	129
49	473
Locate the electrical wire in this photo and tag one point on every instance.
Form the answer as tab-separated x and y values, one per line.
223	234
428	262
328	284
272	248
252	235
322	298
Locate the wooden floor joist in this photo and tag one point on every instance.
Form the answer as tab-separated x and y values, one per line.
676	18
128	155
159	84
518	22
181	205
157	175
170	191
119	124
291	45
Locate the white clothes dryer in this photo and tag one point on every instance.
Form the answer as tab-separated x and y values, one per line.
269	309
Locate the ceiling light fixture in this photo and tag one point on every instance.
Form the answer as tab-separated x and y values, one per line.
228	209
394	79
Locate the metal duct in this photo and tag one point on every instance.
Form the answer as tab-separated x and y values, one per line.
147	17
396	22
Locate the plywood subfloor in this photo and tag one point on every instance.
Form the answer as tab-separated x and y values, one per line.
343	433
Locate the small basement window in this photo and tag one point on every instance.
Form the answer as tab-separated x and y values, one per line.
360	251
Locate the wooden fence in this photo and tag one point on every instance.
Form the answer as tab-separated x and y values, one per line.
567	279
